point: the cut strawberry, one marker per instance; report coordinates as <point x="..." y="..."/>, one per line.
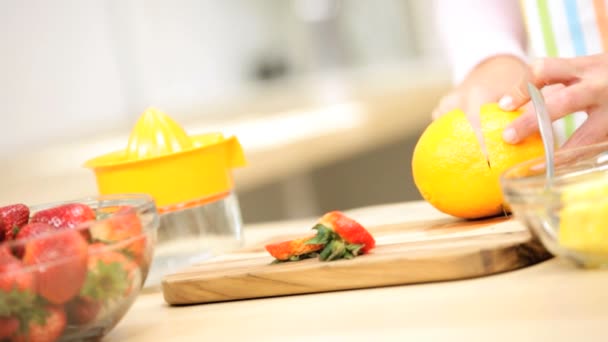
<point x="61" y="262"/>
<point x="82" y="310"/>
<point x="123" y="227"/>
<point x="349" y="230"/>
<point x="293" y="250"/>
<point x="17" y="287"/>
<point x="13" y="217"/>
<point x="12" y="274"/>
<point x="338" y="237"/>
<point x="17" y="293"/>
<point x="8" y="327"/>
<point x="5" y="252"/>
<point x="44" y="328"/>
<point x="110" y="276"/>
<point x="335" y="247"/>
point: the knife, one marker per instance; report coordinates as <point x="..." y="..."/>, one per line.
<point x="475" y="122"/>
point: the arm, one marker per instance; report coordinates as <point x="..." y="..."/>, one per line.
<point x="474" y="30"/>
<point x="485" y="43"/>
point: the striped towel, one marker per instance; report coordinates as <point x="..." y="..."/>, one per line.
<point x="566" y="28"/>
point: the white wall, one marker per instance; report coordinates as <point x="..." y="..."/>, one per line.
<point x="59" y="72"/>
<point x="74" y="68"/>
<point x="179" y="54"/>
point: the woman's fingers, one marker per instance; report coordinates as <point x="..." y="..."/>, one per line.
<point x="559" y="103"/>
<point x="551" y="89"/>
<point x="521" y="127"/>
<point x="543" y="72"/>
<point x="593" y="130"/>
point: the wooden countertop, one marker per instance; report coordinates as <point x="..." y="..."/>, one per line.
<point x="551" y="301"/>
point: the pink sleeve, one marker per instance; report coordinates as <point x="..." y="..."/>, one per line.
<point x="473" y="30"/>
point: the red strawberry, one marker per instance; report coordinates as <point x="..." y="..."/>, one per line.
<point x="13" y="276"/>
<point x="109" y="272"/>
<point x="69" y="215"/>
<point x="293" y="250"/>
<point x="111" y="276"/>
<point x="348" y="229"/>
<point x="4" y="252"/>
<point x="8" y="327"/>
<point x="123" y="226"/>
<point x="17" y="292"/>
<point x="2" y="231"/>
<point x="46" y="329"/>
<point x="27" y="232"/>
<point x="13" y="217"/>
<point x="61" y="261"/>
<point x="340" y="237"/>
<point x="83" y="310"/>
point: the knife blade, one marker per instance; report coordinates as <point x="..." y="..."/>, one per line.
<point x="475" y="122"/>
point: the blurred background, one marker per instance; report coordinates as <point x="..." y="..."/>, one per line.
<point x="327" y="97"/>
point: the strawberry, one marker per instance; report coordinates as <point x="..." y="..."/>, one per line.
<point x="27" y="232"/>
<point x="47" y="328"/>
<point x="2" y="231"/>
<point x="4" y="252"/>
<point x="61" y="262"/>
<point x="17" y="292"/>
<point x="349" y="230"/>
<point x="83" y="310"/>
<point x="12" y="275"/>
<point x="110" y="276"/>
<point x="125" y="227"/>
<point x="338" y="237"/>
<point x="109" y="272"/>
<point x="69" y="215"/>
<point x="8" y="327"/>
<point x="293" y="250"/>
<point x="13" y="217"/>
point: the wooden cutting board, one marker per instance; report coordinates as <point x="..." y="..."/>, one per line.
<point x="407" y="253"/>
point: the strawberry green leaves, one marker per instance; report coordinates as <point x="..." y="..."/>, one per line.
<point x="25" y="306"/>
<point x="338" y="237"/>
<point x="106" y="281"/>
<point x="335" y="246"/>
<point x="324" y="235"/>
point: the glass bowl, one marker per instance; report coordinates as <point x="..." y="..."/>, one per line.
<point x="570" y="217"/>
<point x="73" y="271"/>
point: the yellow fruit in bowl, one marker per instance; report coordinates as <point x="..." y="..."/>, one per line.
<point x="451" y="171"/>
<point x="583" y="216"/>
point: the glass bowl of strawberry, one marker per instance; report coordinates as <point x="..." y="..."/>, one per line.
<point x="69" y="271"/>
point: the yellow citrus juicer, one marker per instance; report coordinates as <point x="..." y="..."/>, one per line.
<point x="162" y="160"/>
<point x="190" y="178"/>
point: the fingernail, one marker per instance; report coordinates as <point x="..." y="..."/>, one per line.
<point x="506" y="103"/>
<point x="509" y="135"/>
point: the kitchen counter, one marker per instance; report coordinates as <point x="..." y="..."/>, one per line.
<point x="286" y="129"/>
<point x="550" y="301"/>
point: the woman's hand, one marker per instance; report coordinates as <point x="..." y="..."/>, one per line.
<point x="579" y="84"/>
<point x="487" y="82"/>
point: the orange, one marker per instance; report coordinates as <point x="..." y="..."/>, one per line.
<point x="452" y="173"/>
